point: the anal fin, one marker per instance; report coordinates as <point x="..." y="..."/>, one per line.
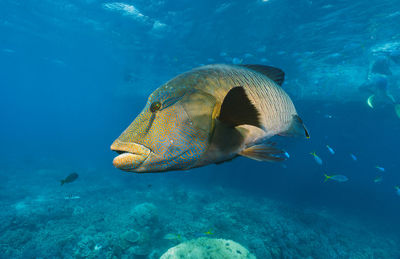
<point x="263" y="152"/>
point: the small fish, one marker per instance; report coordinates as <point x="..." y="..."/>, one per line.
<point x="353" y="157"/>
<point x="328" y="116"/>
<point x="72" y="197"/>
<point x="336" y="177"/>
<point x="380" y="168"/>
<point x="378" y="179"/>
<point x="207" y="233"/>
<point x="171" y="236"/>
<point x="316" y="158"/>
<point x="286" y="154"/>
<point x="330" y="150"/>
<point x="397" y="190"/>
<point x="70" y="178"/>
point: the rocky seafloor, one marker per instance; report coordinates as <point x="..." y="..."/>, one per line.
<point x="139" y="217"/>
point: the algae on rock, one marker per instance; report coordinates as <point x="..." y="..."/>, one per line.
<point x="211" y="248"/>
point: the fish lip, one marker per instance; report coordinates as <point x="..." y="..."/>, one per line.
<point x="126" y="147"/>
<point x="140" y="154"/>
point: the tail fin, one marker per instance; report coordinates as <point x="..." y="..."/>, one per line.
<point x="62" y="182"/>
<point x="326" y="177"/>
<point x="296" y="128"/>
<point x="313" y="153"/>
<point x="370" y="101"/>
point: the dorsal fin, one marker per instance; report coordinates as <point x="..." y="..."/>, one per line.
<point x="273" y="73"/>
<point x="237" y="109"/>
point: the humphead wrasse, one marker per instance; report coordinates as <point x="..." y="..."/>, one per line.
<point x="210" y="114"/>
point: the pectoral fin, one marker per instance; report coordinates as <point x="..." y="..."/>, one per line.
<point x="263" y="152"/>
<point x="237" y="109"/>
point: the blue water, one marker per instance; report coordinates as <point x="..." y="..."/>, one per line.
<point x="75" y="73"/>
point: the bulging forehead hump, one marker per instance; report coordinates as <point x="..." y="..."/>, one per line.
<point x="174" y="88"/>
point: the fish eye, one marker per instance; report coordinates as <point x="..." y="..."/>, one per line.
<point x="155" y="106"/>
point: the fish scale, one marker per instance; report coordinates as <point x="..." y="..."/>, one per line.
<point x="209" y="115"/>
<point x="274" y="104"/>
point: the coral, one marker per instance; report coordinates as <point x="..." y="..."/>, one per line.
<point x="84" y="247"/>
<point x="180" y="196"/>
<point x="140" y="250"/>
<point x="257" y="245"/>
<point x="91" y="246"/>
<point x="130" y="236"/>
<point x="104" y="224"/>
<point x="145" y="214"/>
<point x="208" y="248"/>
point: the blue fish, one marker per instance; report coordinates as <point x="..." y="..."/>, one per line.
<point x="204" y="234"/>
<point x="378" y="179"/>
<point x="397" y="190"/>
<point x="353" y="157"/>
<point x="316" y="158"/>
<point x="336" y="177"/>
<point x="380" y="168"/>
<point x="330" y="150"/>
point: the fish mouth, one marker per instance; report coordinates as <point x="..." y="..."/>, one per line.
<point x="131" y="155"/>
